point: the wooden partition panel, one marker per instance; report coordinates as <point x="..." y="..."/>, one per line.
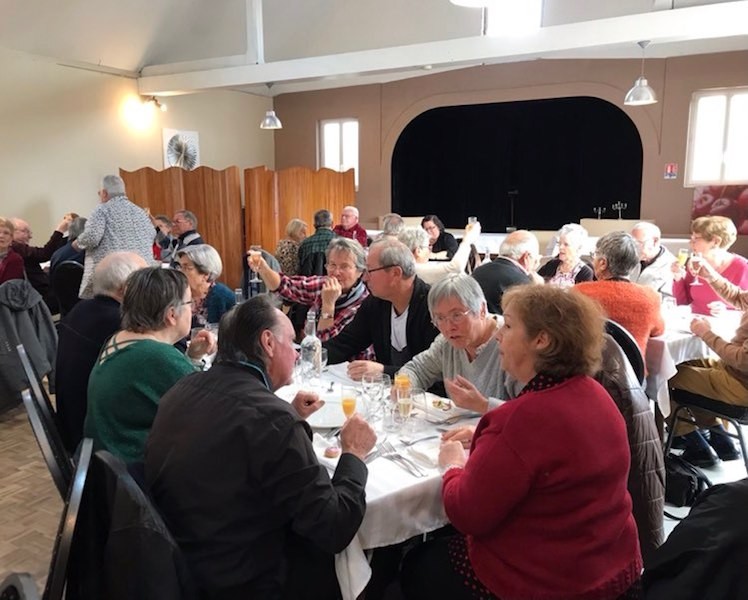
<point x="273" y="198"/>
<point x="214" y="196"/>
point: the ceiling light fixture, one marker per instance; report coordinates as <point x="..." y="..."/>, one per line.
<point x="160" y="105"/>
<point x="641" y="94"/>
<point x="271" y="120"/>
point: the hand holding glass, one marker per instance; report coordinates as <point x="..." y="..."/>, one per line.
<point x="255" y="254"/>
<point x="695" y="266"/>
<point x="348" y="400"/>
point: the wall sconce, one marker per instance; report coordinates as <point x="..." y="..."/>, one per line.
<point x="160" y="105"/>
<point x="641" y="93"/>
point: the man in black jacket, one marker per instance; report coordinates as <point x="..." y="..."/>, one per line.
<point x="395" y="318"/>
<point x="233" y="471"/>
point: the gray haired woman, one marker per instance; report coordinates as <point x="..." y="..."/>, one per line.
<point x="465" y="355"/>
<point x="569" y="268"/>
<point x="202" y="265"/>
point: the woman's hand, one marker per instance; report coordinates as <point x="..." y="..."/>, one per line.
<point x="202" y="343"/>
<point x="678" y="271"/>
<point x="465" y="395"/>
<point x="707" y="271"/>
<point x="307" y="403"/>
<point x="331" y="291"/>
<point x="358" y="368"/>
<point x="451" y="453"/>
<point x="464" y="435"/>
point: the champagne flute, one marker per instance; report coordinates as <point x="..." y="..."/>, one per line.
<point x="255" y="253"/>
<point x="404" y="404"/>
<point x="372" y="385"/>
<point x="348" y="400"/>
<point x="695" y="266"/>
<point x="683" y="257"/>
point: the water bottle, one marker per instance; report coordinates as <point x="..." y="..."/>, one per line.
<point x="311" y="347"/>
<point x="239" y="295"/>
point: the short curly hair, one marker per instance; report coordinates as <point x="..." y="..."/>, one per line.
<point x="574" y="324"/>
<point x="711" y="227"/>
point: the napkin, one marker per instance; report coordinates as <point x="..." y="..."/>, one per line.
<point x="320" y="445"/>
<point x="426" y="453"/>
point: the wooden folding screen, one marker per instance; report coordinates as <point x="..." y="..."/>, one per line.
<point x="214" y="196"/>
<point x="273" y="198"/>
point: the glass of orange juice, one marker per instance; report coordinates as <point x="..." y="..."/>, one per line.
<point x="348" y="398"/>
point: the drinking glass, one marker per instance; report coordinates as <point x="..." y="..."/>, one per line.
<point x="472" y="220"/>
<point x="348" y="397"/>
<point x="683" y="256"/>
<point x="255" y="253"/>
<point x="371" y="386"/>
<point x="404" y="404"/>
<point x="695" y="265"/>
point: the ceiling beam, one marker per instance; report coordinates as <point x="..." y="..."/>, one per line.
<point x="661" y="27"/>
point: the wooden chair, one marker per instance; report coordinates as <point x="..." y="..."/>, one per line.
<point x="21" y="585"/>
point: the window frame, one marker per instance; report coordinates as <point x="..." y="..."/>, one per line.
<point x="341" y="147"/>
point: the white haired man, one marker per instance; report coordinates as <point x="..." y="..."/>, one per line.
<point x="349" y="226"/>
<point x="654" y="269"/>
<point x="116" y="224"/>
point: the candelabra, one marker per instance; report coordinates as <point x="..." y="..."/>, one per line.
<point x="599" y="210"/>
<point x="619" y="206"/>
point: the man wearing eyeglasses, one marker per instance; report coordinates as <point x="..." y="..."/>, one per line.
<point x="654" y="269"/>
<point x="184" y="232"/>
<point x="394" y="318"/>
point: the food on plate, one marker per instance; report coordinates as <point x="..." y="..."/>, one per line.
<point x="332" y="452"/>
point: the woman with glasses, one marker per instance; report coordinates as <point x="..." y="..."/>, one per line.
<point x="711" y="237"/>
<point x="202" y="265"/>
<point x="442" y="244"/>
<point x="465" y="354"/>
<point x="335" y="297"/>
<point x="139" y="363"/>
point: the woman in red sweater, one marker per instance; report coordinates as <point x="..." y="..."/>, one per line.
<point x="541" y="503"/>
<point x="11" y="263"/>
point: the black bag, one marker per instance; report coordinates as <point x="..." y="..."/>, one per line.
<point x="683" y="481"/>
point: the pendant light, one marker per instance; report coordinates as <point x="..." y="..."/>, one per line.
<point x="271" y="120"/>
<point x="641" y="94"/>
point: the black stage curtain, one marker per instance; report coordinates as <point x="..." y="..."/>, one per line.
<point x="553" y="160"/>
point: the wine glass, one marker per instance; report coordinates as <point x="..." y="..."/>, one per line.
<point x="695" y="266"/>
<point x="255" y="253"/>
<point x="683" y="257"/>
<point x="404" y="404"/>
<point x="371" y="386"/>
<point x="348" y="396"/>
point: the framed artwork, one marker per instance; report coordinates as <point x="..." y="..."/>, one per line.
<point x="729" y="201"/>
<point x="181" y="149"/>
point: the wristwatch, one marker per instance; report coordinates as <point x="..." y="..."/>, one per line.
<point x="327" y="315"/>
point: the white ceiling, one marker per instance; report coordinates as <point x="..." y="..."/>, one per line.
<point x="185" y="46"/>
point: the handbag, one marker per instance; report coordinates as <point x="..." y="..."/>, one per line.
<point x="683" y="481"/>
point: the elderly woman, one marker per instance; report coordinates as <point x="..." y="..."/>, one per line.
<point x="287" y="250"/>
<point x="336" y="297"/>
<point x="417" y="241"/>
<point x="724" y="379"/>
<point x="636" y="307"/>
<point x="540" y="512"/>
<point x="568" y="268"/>
<point x="466" y="345"/>
<point x="138" y="364"/>
<point x="11" y="263"/>
<point x="202" y="265"/>
<point x="441" y="243"/>
<point x="712" y="237"/>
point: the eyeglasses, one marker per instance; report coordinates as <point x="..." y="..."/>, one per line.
<point x="453" y="318"/>
<point x="343" y="267"/>
<point x="185" y="303"/>
<point x="368" y="271"/>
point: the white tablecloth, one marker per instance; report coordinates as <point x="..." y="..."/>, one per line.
<point x="678" y="345"/>
<point x="398" y="505"/>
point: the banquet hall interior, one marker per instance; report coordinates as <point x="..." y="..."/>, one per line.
<point x="455" y="114"/>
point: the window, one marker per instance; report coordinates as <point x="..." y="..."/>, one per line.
<point x="338" y="145"/>
<point x="718" y="137"/>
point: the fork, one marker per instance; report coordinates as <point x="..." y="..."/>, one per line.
<point x="389" y="452"/>
<point x="408" y="443"/>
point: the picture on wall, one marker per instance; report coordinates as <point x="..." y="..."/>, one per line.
<point x="729" y="201"/>
<point x="181" y="149"/>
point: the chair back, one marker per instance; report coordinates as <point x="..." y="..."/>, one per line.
<point x="65" y="281"/>
<point x="629" y="346"/>
<point x="58" y="460"/>
<point x="58" y="567"/>
<point x="40" y="394"/>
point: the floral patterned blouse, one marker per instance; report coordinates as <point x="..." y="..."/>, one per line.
<point x="287" y="253"/>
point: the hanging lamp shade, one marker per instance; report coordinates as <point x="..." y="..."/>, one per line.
<point x="641" y="93"/>
<point x="271" y="121"/>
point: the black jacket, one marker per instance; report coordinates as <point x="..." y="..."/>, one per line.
<point x="445" y="241"/>
<point x="495" y="278"/>
<point x="548" y="270"/>
<point x="232" y="468"/>
<point x="372" y="326"/>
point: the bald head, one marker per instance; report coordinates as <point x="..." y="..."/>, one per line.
<point x="21" y="231"/>
<point x="112" y="272"/>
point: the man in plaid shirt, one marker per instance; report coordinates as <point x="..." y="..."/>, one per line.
<point x="316" y="243"/>
<point x="335" y="297"/>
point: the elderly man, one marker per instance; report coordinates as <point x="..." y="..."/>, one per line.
<point x="394" y="318"/>
<point x="312" y="249"/>
<point x="654" y="268"/>
<point x="115" y="225"/>
<point x="349" y="226"/>
<point x="68" y="251"/>
<point x="82" y="333"/>
<point x="232" y="468"/>
<point x="392" y="224"/>
<point x="519" y="256"/>
<point x="33" y="255"/>
<point x="184" y="233"/>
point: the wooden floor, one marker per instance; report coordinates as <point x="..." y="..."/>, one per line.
<point x="30" y="506"/>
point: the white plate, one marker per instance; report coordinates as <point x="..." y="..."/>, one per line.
<point x="330" y="415"/>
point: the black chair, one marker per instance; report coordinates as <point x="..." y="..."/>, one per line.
<point x="735" y="415"/>
<point x="65" y="281"/>
<point x="39" y="393"/>
<point x="20" y="585"/>
<point x="629" y="346"/>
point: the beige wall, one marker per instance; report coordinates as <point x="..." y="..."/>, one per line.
<point x="63" y="129"/>
<point x="385" y="110"/>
